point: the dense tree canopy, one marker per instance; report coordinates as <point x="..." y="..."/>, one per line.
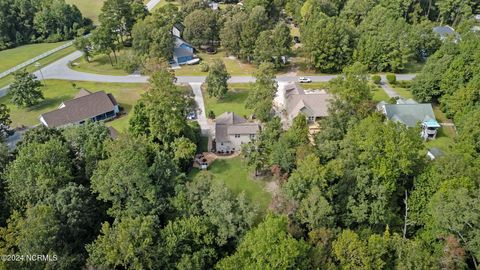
<point x="30" y="21"/>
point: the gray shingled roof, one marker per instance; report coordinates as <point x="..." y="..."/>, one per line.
<point x="81" y="108"/>
<point x="230" y="123"/>
<point x="315" y="103"/>
<point x="409" y="114"/>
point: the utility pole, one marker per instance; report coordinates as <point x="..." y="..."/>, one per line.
<point x="39" y="66"/>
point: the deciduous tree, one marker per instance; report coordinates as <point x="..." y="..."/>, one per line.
<point x="217" y="79"/>
<point x="25" y="90"/>
<point x="260" y="98"/>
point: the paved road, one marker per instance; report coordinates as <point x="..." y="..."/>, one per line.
<point x="60" y="70"/>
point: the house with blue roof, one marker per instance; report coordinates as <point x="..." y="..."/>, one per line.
<point x="183" y="52"/>
<point x="411" y="113"/>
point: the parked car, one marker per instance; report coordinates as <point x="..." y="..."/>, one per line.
<point x="192" y="116"/>
<point x="304" y="80"/>
<point x="296" y="39"/>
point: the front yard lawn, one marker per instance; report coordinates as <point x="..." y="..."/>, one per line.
<point x="234" y="67"/>
<point x="236" y="175"/>
<point x="234" y="100"/>
<point x="100" y="64"/>
<point x="57" y="91"/>
<point x="379" y="94"/>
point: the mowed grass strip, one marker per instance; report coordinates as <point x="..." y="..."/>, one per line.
<point x="44" y="62"/>
<point x="234" y="100"/>
<point x="57" y="91"/>
<point x="236" y="175"/>
<point x="13" y="57"/>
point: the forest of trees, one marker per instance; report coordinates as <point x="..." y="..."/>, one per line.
<point x="34" y="21"/>
<point x="364" y="196"/>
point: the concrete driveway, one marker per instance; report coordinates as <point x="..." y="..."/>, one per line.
<point x="201" y="114"/>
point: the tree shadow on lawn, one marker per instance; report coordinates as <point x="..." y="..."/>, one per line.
<point x="47" y="103"/>
<point x="234" y="96"/>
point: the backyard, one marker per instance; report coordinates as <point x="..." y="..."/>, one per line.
<point x="234" y="100"/>
<point x="236" y="175"/>
<point x="57" y="91"/>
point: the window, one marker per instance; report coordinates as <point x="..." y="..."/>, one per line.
<point x="311" y="118"/>
<point x="237" y="135"/>
<point x="221" y="144"/>
<point x="252" y="136"/>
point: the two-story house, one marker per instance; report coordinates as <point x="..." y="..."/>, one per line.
<point x="232" y="131"/>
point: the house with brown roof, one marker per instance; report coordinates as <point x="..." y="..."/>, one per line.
<point x="232" y="131"/>
<point x="313" y="104"/>
<point x="84" y="106"/>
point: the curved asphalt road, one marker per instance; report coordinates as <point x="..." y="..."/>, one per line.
<point x="60" y="70"/>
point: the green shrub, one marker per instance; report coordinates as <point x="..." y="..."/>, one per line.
<point x="404" y="84"/>
<point x="391" y="78"/>
<point x="129" y="63"/>
<point x="204" y="67"/>
<point x="376" y="79"/>
<point x="211" y="115"/>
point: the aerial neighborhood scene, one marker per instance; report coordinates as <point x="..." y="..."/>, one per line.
<point x="240" y="134"/>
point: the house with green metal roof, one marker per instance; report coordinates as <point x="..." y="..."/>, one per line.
<point x="411" y="113"/>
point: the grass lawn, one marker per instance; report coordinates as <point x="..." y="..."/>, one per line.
<point x="89" y="8"/>
<point x="444" y="139"/>
<point x="18" y="55"/>
<point x="234" y="100"/>
<point x="445" y="135"/>
<point x="58" y="91"/>
<point x="164" y="3"/>
<point x="45" y="61"/>
<point x="379" y="94"/>
<point x="236" y="175"/>
<point x="413" y="67"/>
<point x="234" y="66"/>
<point x="100" y="64"/>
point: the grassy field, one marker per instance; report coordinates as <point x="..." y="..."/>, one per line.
<point x="234" y="67"/>
<point x="402" y="88"/>
<point x="445" y="135"/>
<point x="45" y="61"/>
<point x="57" y="91"/>
<point x="236" y="175"/>
<point x="16" y="56"/>
<point x="100" y="64"/>
<point x="164" y="3"/>
<point x="89" y="8"/>
<point x="379" y="94"/>
<point x="234" y="101"/>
